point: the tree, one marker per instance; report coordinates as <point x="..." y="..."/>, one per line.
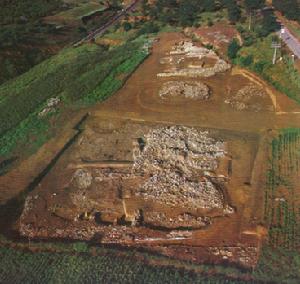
<point x="234" y="11"/>
<point x="188" y="11"/>
<point x="127" y="26"/>
<point x="233" y="49"/>
<point x="251" y="6"/>
<point x="254" y="4"/>
<point x="269" y="23"/>
<point x="209" y="5"/>
<point x="290" y="8"/>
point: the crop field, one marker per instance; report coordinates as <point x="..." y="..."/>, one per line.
<point x="46" y="267"/>
<point x="282" y="207"/>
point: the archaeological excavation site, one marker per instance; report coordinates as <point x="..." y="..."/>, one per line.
<point x="173" y="163"/>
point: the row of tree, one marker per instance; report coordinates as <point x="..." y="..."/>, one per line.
<point x="290" y="8"/>
<point x="183" y="12"/>
<point x="187" y="12"/>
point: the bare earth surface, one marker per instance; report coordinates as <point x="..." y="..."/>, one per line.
<point x="182" y="175"/>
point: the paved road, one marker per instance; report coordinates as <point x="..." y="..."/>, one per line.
<point x="292" y="42"/>
<point x="107" y="25"/>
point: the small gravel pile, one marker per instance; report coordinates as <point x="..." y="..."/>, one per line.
<point x="248" y="98"/>
<point x="184" y="220"/>
<point x="189" y="90"/>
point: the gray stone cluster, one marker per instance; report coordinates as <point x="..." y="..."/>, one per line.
<point x="175" y="158"/>
<point x="242" y="99"/>
<point x="185" y="50"/>
<point x="188" y="90"/>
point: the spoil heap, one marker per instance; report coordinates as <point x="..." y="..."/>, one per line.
<point x="248" y="98"/>
<point x="187" y="50"/>
<point x="175" y="158"/>
<point x="189" y="90"/>
<point x="184" y="220"/>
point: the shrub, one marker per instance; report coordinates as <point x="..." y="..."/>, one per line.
<point x="80" y="247"/>
<point x="127" y="26"/>
<point x="246" y="61"/>
<point x="233" y="49"/>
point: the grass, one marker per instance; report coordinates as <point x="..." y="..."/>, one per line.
<point x="77" y="12"/>
<point x="86" y="74"/>
<point x="280" y="259"/>
<point x="282" y="211"/>
<point x="278" y="265"/>
<point x="213" y="17"/>
<point x="117" y="37"/>
<point x="17" y="266"/>
<point x="283" y="75"/>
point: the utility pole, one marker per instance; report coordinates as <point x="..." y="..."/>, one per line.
<point x="293" y="58"/>
<point x="250" y="20"/>
<point x="275" y="45"/>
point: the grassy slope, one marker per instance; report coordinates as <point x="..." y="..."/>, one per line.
<point x="79" y="11"/>
<point x="86" y="74"/>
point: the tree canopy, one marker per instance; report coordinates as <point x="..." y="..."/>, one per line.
<point x="290" y="8"/>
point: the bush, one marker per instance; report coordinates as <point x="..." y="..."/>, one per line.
<point x="80" y="247"/>
<point x="246" y="61"/>
<point x="259" y="67"/>
<point x="148" y="28"/>
<point x="127" y="26"/>
<point x="233" y="49"/>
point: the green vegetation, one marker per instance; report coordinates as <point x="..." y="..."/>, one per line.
<point x="234" y="11"/>
<point x="289" y="8"/>
<point x="280" y="259"/>
<point x="86" y="74"/>
<point x="282" y="212"/>
<point x="17" y="266"/>
<point x="283" y="75"/>
<point x="233" y="49"/>
<point x="12" y="10"/>
<point x="182" y="13"/>
<point x="23" y="46"/>
<point x="77" y="12"/>
<point x="278" y="265"/>
<point x="294" y="29"/>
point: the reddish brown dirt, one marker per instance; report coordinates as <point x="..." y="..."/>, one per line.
<point x="139" y="100"/>
<point x="219" y="35"/>
<point x="18" y="179"/>
<point x="246" y="133"/>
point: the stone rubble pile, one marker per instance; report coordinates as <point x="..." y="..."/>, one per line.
<point x="51" y="105"/>
<point x="82" y="178"/>
<point x="242" y="99"/>
<point x="189" y="90"/>
<point x="185" y="50"/>
<point x="247" y="256"/>
<point x="188" y="49"/>
<point x="175" y="158"/>
<point x="184" y="220"/>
